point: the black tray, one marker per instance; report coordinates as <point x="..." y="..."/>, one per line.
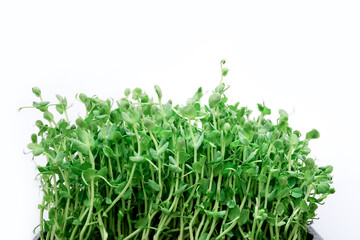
<point x="315" y="235"/>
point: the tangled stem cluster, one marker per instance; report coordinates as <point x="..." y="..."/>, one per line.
<point x="145" y="169"/>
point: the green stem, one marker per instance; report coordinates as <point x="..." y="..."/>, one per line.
<point x="214" y="119"/>
<point x="257" y="204"/>
<point x="102" y="228"/>
<point x="77" y="226"/>
<point x="123" y="191"/>
<point x="192" y="222"/>
<point x="133" y="234"/>
<point x="42" y="220"/>
<point x="90" y="210"/>
<point x="289" y="158"/>
<point x="290" y="219"/>
<point x="228" y="229"/>
<point x="199" y="227"/>
<point x="181" y="235"/>
<point x="216" y="206"/>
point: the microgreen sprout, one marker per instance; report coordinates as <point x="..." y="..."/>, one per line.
<point x="146" y="169"/>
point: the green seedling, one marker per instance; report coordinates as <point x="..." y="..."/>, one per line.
<point x="145" y="169"/>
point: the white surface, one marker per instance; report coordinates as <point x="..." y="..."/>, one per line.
<point x="301" y="55"/>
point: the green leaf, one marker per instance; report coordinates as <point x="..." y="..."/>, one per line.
<point x="296" y="192"/>
<point x="243" y="139"/>
<point x="115" y="137"/>
<point x="153" y="153"/>
<point x="244" y="216"/>
<point x="310" y="163"/>
<point x="219" y="214"/>
<point x="65" y="195"/>
<point x="163" y="148"/>
<point x="127" y="194"/>
<point x="36" y="149"/>
<point x="204" y="185"/>
<point x="262" y="178"/>
<point x="82" y="97"/>
<point x="281" y="223"/>
<point x="204" y="236"/>
<point x="283" y="180"/>
<point x="303" y="206"/>
<point x="42" y="169"/>
<point x="102" y="172"/>
<point x="153" y="185"/>
<point x="34" y="138"/>
<point x="294" y="139"/>
<point x="36" y="91"/>
<point x="231" y="204"/>
<point x="42" y="106"/>
<point x="59" y="157"/>
<point x="136" y="93"/>
<point x="217" y="158"/>
<point x="80" y="123"/>
<point x="180" y="190"/>
<point x="215" y="137"/>
<point x="250" y="157"/>
<point x="280" y="208"/>
<point x="199" y="141"/>
<point x="235" y="144"/>
<point x="48" y="116"/>
<point x="291" y="182"/>
<point x="172" y="161"/>
<point x="279" y="144"/>
<point x="322" y="187"/>
<point x="220" y="88"/>
<point x="89" y="174"/>
<point x="65" y="166"/>
<point x="137" y="159"/>
<point x="80" y="146"/>
<point x="109" y="152"/>
<point x="197" y="96"/>
<point x="313" y="134"/>
<point x="266" y="111"/>
<point x="272" y="195"/>
<point x="183" y="157"/>
<point x="115" y="117"/>
<point x="214" y="100"/>
<point x="166" y="134"/>
<point x="263" y="109"/>
<point x="225" y="71"/>
<point x="283" y="114"/>
<point x="175" y="168"/>
<point x="234" y="212"/>
<point x="77" y="222"/>
<point x="158" y="91"/>
<point x="127" y="92"/>
<point x="108" y="200"/>
<point x="149" y="124"/>
<point x="85" y="166"/>
<point x="189" y="111"/>
<point x="261" y="215"/>
<point x="127" y="118"/>
<point x="59" y="108"/>
<point x="120" y="187"/>
<point x="226" y="194"/>
<point x="141" y="223"/>
<point x="197" y="166"/>
<point x="283" y="193"/>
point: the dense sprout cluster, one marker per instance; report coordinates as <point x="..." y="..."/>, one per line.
<point x="145" y="169"/>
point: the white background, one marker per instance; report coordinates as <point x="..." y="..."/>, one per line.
<point x="302" y="56"/>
